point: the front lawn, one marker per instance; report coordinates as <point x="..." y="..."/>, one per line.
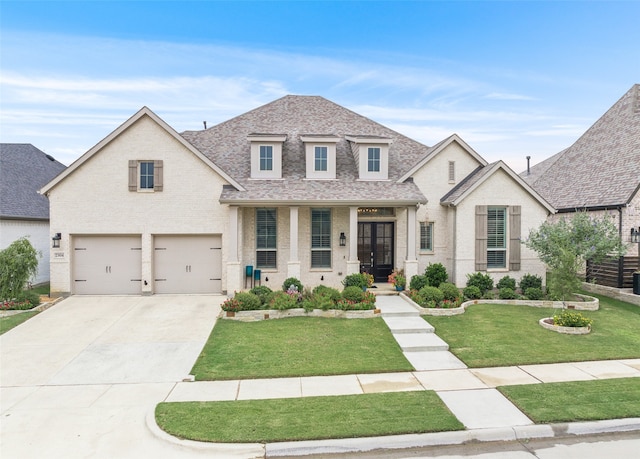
<point x="578" y="400"/>
<point x="309" y="418"/>
<point x="8" y="322"/>
<point x="299" y="346"/>
<point x="503" y="335"/>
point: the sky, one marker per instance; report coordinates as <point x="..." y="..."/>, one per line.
<point x="512" y="78"/>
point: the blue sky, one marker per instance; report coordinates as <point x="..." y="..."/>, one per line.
<point x="512" y="78"/>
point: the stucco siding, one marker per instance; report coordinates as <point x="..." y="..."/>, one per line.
<point x="95" y="198"/>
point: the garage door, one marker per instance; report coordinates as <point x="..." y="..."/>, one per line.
<point x="107" y="265"/>
<point x="188" y="264"/>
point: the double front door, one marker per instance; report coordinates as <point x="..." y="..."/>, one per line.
<point x="375" y="249"/>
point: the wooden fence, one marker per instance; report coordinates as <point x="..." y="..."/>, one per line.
<point x="615" y="273"/>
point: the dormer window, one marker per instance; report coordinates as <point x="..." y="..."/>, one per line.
<point x="266" y="155"/>
<point x="320" y="153"/>
<point x="371" y="154"/>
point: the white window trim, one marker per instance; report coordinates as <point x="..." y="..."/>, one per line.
<point x="427" y="224"/>
<point x="275" y="142"/>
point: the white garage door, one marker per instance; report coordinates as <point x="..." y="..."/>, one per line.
<point x="107" y="265"/>
<point x="188" y="264"/>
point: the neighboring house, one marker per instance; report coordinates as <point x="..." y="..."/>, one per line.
<point x="23" y="212"/>
<point x="300" y="187"/>
<point x="600" y="174"/>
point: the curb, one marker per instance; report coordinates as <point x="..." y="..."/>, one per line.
<point x="367" y="444"/>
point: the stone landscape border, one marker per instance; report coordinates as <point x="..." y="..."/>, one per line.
<point x="589" y="304"/>
<point x="547" y="323"/>
<point x="267" y="314"/>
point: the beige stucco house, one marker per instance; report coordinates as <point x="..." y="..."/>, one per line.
<point x="300" y="187"/>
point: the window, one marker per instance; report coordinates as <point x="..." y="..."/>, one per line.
<point x="320" y="160"/>
<point x="145" y="175"/>
<point x="373" y="161"/>
<point x="496" y="237"/>
<point x="320" y="238"/>
<point x="452" y="171"/>
<point x="266" y="158"/>
<point x="266" y="238"/>
<point x="426" y="236"/>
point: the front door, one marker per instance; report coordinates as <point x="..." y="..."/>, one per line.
<point x="375" y="249"/>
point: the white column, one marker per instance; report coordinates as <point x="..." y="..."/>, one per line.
<point x="233" y="234"/>
<point x="293" y="265"/>
<point x="353" y="264"/>
<point x="234" y="270"/>
<point x="411" y="262"/>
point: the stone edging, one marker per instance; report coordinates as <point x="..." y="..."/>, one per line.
<point x="39" y="308"/>
<point x="565" y="330"/>
<point x="593" y="304"/>
<point x="264" y="314"/>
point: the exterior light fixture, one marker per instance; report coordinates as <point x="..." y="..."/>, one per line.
<point x="635" y="235"/>
<point x="343" y="240"/>
<point x="56" y="240"/>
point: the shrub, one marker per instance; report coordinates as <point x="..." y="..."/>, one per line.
<point x="530" y="281"/>
<point x="231" y="305"/>
<point x="15" y="305"/>
<point x="318" y="301"/>
<point x="248" y="301"/>
<point x="282" y="300"/>
<point x="436" y="274"/>
<point x="30" y="297"/>
<point x="534" y="293"/>
<point x="18" y="263"/>
<point x="430" y="293"/>
<point x="263" y="292"/>
<point x="506" y="282"/>
<point x="356" y="280"/>
<point x="450" y="291"/>
<point x="353" y="293"/>
<point x="482" y="281"/>
<point x="506" y="293"/>
<point x="329" y="292"/>
<point x="571" y="319"/>
<point x="286" y="285"/>
<point x="472" y="292"/>
<point x="417" y="282"/>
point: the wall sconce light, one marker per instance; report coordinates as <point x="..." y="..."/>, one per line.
<point x="56" y="240"/>
<point x="635" y="235"/>
<point x="343" y="240"/>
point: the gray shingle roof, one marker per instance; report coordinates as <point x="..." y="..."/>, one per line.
<point x="227" y="146"/>
<point x="23" y="171"/>
<point x="602" y="168"/>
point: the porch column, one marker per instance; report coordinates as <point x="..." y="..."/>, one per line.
<point x="353" y="264"/>
<point x="293" y="265"/>
<point x="411" y="262"/>
<point x="234" y="270"/>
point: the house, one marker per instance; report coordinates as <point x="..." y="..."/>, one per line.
<point x="300" y="187"/>
<point x="600" y="174"/>
<point x="24" y="169"/>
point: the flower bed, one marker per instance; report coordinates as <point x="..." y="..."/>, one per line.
<point x="268" y="314"/>
<point x="549" y="324"/>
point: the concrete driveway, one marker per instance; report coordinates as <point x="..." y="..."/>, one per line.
<point x="79" y="379"/>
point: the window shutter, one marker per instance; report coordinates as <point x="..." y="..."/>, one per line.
<point x="514" y="237"/>
<point x="481" y="238"/>
<point x="133" y="175"/>
<point x="157" y="175"/>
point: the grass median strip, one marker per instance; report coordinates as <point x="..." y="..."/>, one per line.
<point x="309" y="418"/>
<point x="299" y="346"/>
<point x="578" y="400"/>
<point x="8" y="322"/>
<point x="502" y="335"/>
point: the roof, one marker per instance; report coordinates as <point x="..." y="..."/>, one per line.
<point x="226" y="145"/>
<point x="144" y="111"/>
<point x="479" y="176"/>
<point x="23" y="170"/>
<point x="602" y="168"/>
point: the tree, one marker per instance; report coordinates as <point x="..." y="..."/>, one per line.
<point x="18" y="263"/>
<point x="566" y="245"/>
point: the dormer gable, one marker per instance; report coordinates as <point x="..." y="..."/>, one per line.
<point x="320" y="155"/>
<point x="266" y="155"/>
<point x="371" y="154"/>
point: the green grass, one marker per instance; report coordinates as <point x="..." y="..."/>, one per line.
<point x="299" y="346"/>
<point x="7" y="323"/>
<point x="42" y="289"/>
<point x="577" y="401"/>
<point x="309" y="418"/>
<point x="503" y="335"/>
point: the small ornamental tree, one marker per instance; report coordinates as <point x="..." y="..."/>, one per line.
<point x="566" y="245"/>
<point x="18" y="263"/>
